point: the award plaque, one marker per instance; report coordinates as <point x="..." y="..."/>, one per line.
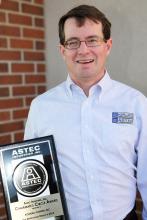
<point x="32" y="181"/>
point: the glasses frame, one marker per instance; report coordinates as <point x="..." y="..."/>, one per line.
<point x="99" y="40"/>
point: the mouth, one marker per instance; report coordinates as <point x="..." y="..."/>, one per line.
<point x="85" y="61"/>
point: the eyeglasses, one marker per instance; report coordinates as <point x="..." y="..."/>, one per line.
<point x="90" y="42"/>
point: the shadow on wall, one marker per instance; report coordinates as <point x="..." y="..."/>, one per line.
<point x="122" y="36"/>
<point x="127" y="61"/>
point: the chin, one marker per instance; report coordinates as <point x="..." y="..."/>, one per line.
<point x="87" y="75"/>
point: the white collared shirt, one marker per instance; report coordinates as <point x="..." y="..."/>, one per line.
<point x="99" y="139"/>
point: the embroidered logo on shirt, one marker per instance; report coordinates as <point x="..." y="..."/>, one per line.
<point x="122" y="117"/>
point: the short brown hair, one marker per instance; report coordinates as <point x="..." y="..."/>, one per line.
<point x="80" y="13"/>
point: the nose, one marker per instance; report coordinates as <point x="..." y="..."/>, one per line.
<point x="83" y="48"/>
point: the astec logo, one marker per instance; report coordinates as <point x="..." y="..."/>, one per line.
<point x="30" y="178"/>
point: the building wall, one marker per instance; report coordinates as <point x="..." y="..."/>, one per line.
<point x="22" y="67"/>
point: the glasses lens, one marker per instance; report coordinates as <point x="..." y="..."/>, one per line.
<point x="93" y="42"/>
<point x="72" y="44"/>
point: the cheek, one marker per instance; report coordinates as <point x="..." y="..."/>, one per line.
<point x="102" y="54"/>
<point x="70" y="58"/>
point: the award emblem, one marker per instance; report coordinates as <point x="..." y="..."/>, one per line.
<point x="32" y="181"/>
<point x="30" y="178"/>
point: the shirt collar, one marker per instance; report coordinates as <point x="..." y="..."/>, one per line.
<point x="69" y="84"/>
<point x="104" y="84"/>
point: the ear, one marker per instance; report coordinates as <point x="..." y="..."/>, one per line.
<point x="62" y="51"/>
<point x="109" y="45"/>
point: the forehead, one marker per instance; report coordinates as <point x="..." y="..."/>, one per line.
<point x="89" y="28"/>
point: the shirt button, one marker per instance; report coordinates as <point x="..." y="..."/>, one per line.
<point x="87" y="150"/>
<point x="86" y="126"/>
<point x="91" y="177"/>
<point x="95" y="202"/>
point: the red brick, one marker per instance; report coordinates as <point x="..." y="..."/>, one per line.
<point x="9" y="5"/>
<point x="6" y="218"/>
<point x="39" y="22"/>
<point x="19" y="43"/>
<point x="41" y="68"/>
<point x="9" y="55"/>
<point x="139" y="216"/>
<point x="28" y="100"/>
<point x="2" y="209"/>
<point x="39" y="2"/>
<point x="20" y="19"/>
<point x="5" y="139"/>
<point x="31" y="9"/>
<point x="2" y="201"/>
<point x="1" y="190"/>
<point x="11" y="126"/>
<point x="11" y="103"/>
<point x="19" y="136"/>
<point x="138" y="195"/>
<point x="3" y="68"/>
<point x="23" y="90"/>
<point x="35" y="79"/>
<point x="9" y="31"/>
<point x="22" y="113"/>
<point x="34" y="56"/>
<point x="2" y="17"/>
<point x="4" y="92"/>
<point x="139" y="204"/>
<point x="3" y="213"/>
<point x="22" y="67"/>
<point x="41" y="89"/>
<point x="33" y="33"/>
<point x="40" y="45"/>
<point x="3" y="43"/>
<point x="10" y="79"/>
<point x="4" y="116"/>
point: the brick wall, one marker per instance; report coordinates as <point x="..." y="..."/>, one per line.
<point x="22" y="66"/>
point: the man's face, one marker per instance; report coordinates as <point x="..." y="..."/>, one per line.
<point x="85" y="63"/>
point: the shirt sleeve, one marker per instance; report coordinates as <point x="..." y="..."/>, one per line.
<point x="31" y="127"/>
<point x="142" y="156"/>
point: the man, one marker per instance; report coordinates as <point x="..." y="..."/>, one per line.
<point x="99" y="125"/>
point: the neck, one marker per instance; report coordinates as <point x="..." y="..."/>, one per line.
<point x="85" y="87"/>
<point x="85" y="84"/>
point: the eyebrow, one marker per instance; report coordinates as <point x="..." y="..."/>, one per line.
<point x="76" y="38"/>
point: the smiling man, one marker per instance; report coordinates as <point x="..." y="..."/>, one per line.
<point x="85" y="51"/>
<point x="99" y="124"/>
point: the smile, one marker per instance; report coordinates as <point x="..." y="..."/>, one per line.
<point x="85" y="61"/>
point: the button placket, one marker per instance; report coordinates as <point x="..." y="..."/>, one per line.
<point x="88" y="155"/>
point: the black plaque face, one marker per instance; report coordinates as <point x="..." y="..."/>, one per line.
<point x="32" y="182"/>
